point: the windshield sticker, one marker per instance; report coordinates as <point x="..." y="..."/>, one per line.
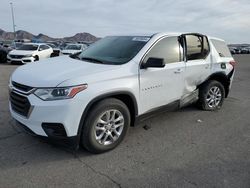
<point x="141" y="39"/>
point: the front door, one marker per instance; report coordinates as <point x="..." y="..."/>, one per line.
<point x="161" y="86"/>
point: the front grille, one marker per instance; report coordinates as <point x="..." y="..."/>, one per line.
<point x="21" y="87"/>
<point x="16" y="56"/>
<point x="20" y="104"/>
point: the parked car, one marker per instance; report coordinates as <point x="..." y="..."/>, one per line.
<point x="237" y="50"/>
<point x="73" y="49"/>
<point x="94" y="97"/>
<point x="30" y="52"/>
<point x="63" y="44"/>
<point x="3" y="54"/>
<point x="56" y="50"/>
<point x="232" y="50"/>
<point x="4" y="50"/>
<point x="88" y="43"/>
<point x="245" y="50"/>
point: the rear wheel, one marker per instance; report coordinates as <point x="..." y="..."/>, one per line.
<point x="106" y="125"/>
<point x="211" y="95"/>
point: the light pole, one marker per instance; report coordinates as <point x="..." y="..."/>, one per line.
<point x="13" y="22"/>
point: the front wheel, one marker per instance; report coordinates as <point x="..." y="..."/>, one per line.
<point x="211" y="95"/>
<point x="36" y="58"/>
<point x="106" y="125"/>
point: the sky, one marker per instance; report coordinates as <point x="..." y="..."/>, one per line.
<point x="226" y="19"/>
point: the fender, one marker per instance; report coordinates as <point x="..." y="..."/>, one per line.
<point x="100" y="97"/>
<point x="221" y="77"/>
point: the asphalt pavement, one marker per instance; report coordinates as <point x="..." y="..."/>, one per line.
<point x="185" y="148"/>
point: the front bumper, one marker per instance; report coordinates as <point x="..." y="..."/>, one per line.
<point x="70" y="142"/>
<point x="66" y="113"/>
<point x="20" y="60"/>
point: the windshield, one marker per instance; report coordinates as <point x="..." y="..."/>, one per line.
<point x="73" y="47"/>
<point x="30" y="47"/>
<point x="114" y="49"/>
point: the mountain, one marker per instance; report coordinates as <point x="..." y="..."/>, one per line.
<point x="20" y="34"/>
<point x="81" y="37"/>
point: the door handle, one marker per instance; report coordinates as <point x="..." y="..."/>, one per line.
<point x="178" y="71"/>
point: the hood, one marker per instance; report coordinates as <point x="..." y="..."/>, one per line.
<point x="53" y="71"/>
<point x="21" y="52"/>
<point x="71" y="51"/>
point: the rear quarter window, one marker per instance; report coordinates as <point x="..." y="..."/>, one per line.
<point x="222" y="48"/>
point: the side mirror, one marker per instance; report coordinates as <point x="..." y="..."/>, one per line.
<point x="153" y="62"/>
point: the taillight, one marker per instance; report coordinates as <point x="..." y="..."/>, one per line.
<point x="233" y="63"/>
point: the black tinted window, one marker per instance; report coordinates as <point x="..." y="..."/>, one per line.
<point x="43" y="47"/>
<point x="31" y="47"/>
<point x="167" y="49"/>
<point x="115" y="49"/>
<point x="197" y="47"/>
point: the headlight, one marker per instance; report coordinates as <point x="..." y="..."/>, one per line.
<point x="29" y="55"/>
<point x="59" y="93"/>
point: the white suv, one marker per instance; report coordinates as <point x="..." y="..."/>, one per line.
<point x="94" y="96"/>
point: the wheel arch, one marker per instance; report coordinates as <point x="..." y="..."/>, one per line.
<point x="127" y="97"/>
<point x="36" y="56"/>
<point x="220" y="77"/>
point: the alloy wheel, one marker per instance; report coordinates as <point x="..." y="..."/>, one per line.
<point x="109" y="127"/>
<point x="214" y="97"/>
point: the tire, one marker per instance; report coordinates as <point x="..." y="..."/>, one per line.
<point x="211" y="95"/>
<point x="36" y="58"/>
<point x="94" y="133"/>
<point x="52" y="55"/>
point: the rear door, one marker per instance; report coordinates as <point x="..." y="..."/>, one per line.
<point x="197" y="59"/>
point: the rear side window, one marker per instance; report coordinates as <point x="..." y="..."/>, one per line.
<point x="167" y="48"/>
<point x="197" y="47"/>
<point x="221" y="47"/>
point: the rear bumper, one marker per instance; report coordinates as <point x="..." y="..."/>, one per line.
<point x="230" y="78"/>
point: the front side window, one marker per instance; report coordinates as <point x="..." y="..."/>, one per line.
<point x="167" y="49"/>
<point x="197" y="47"/>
